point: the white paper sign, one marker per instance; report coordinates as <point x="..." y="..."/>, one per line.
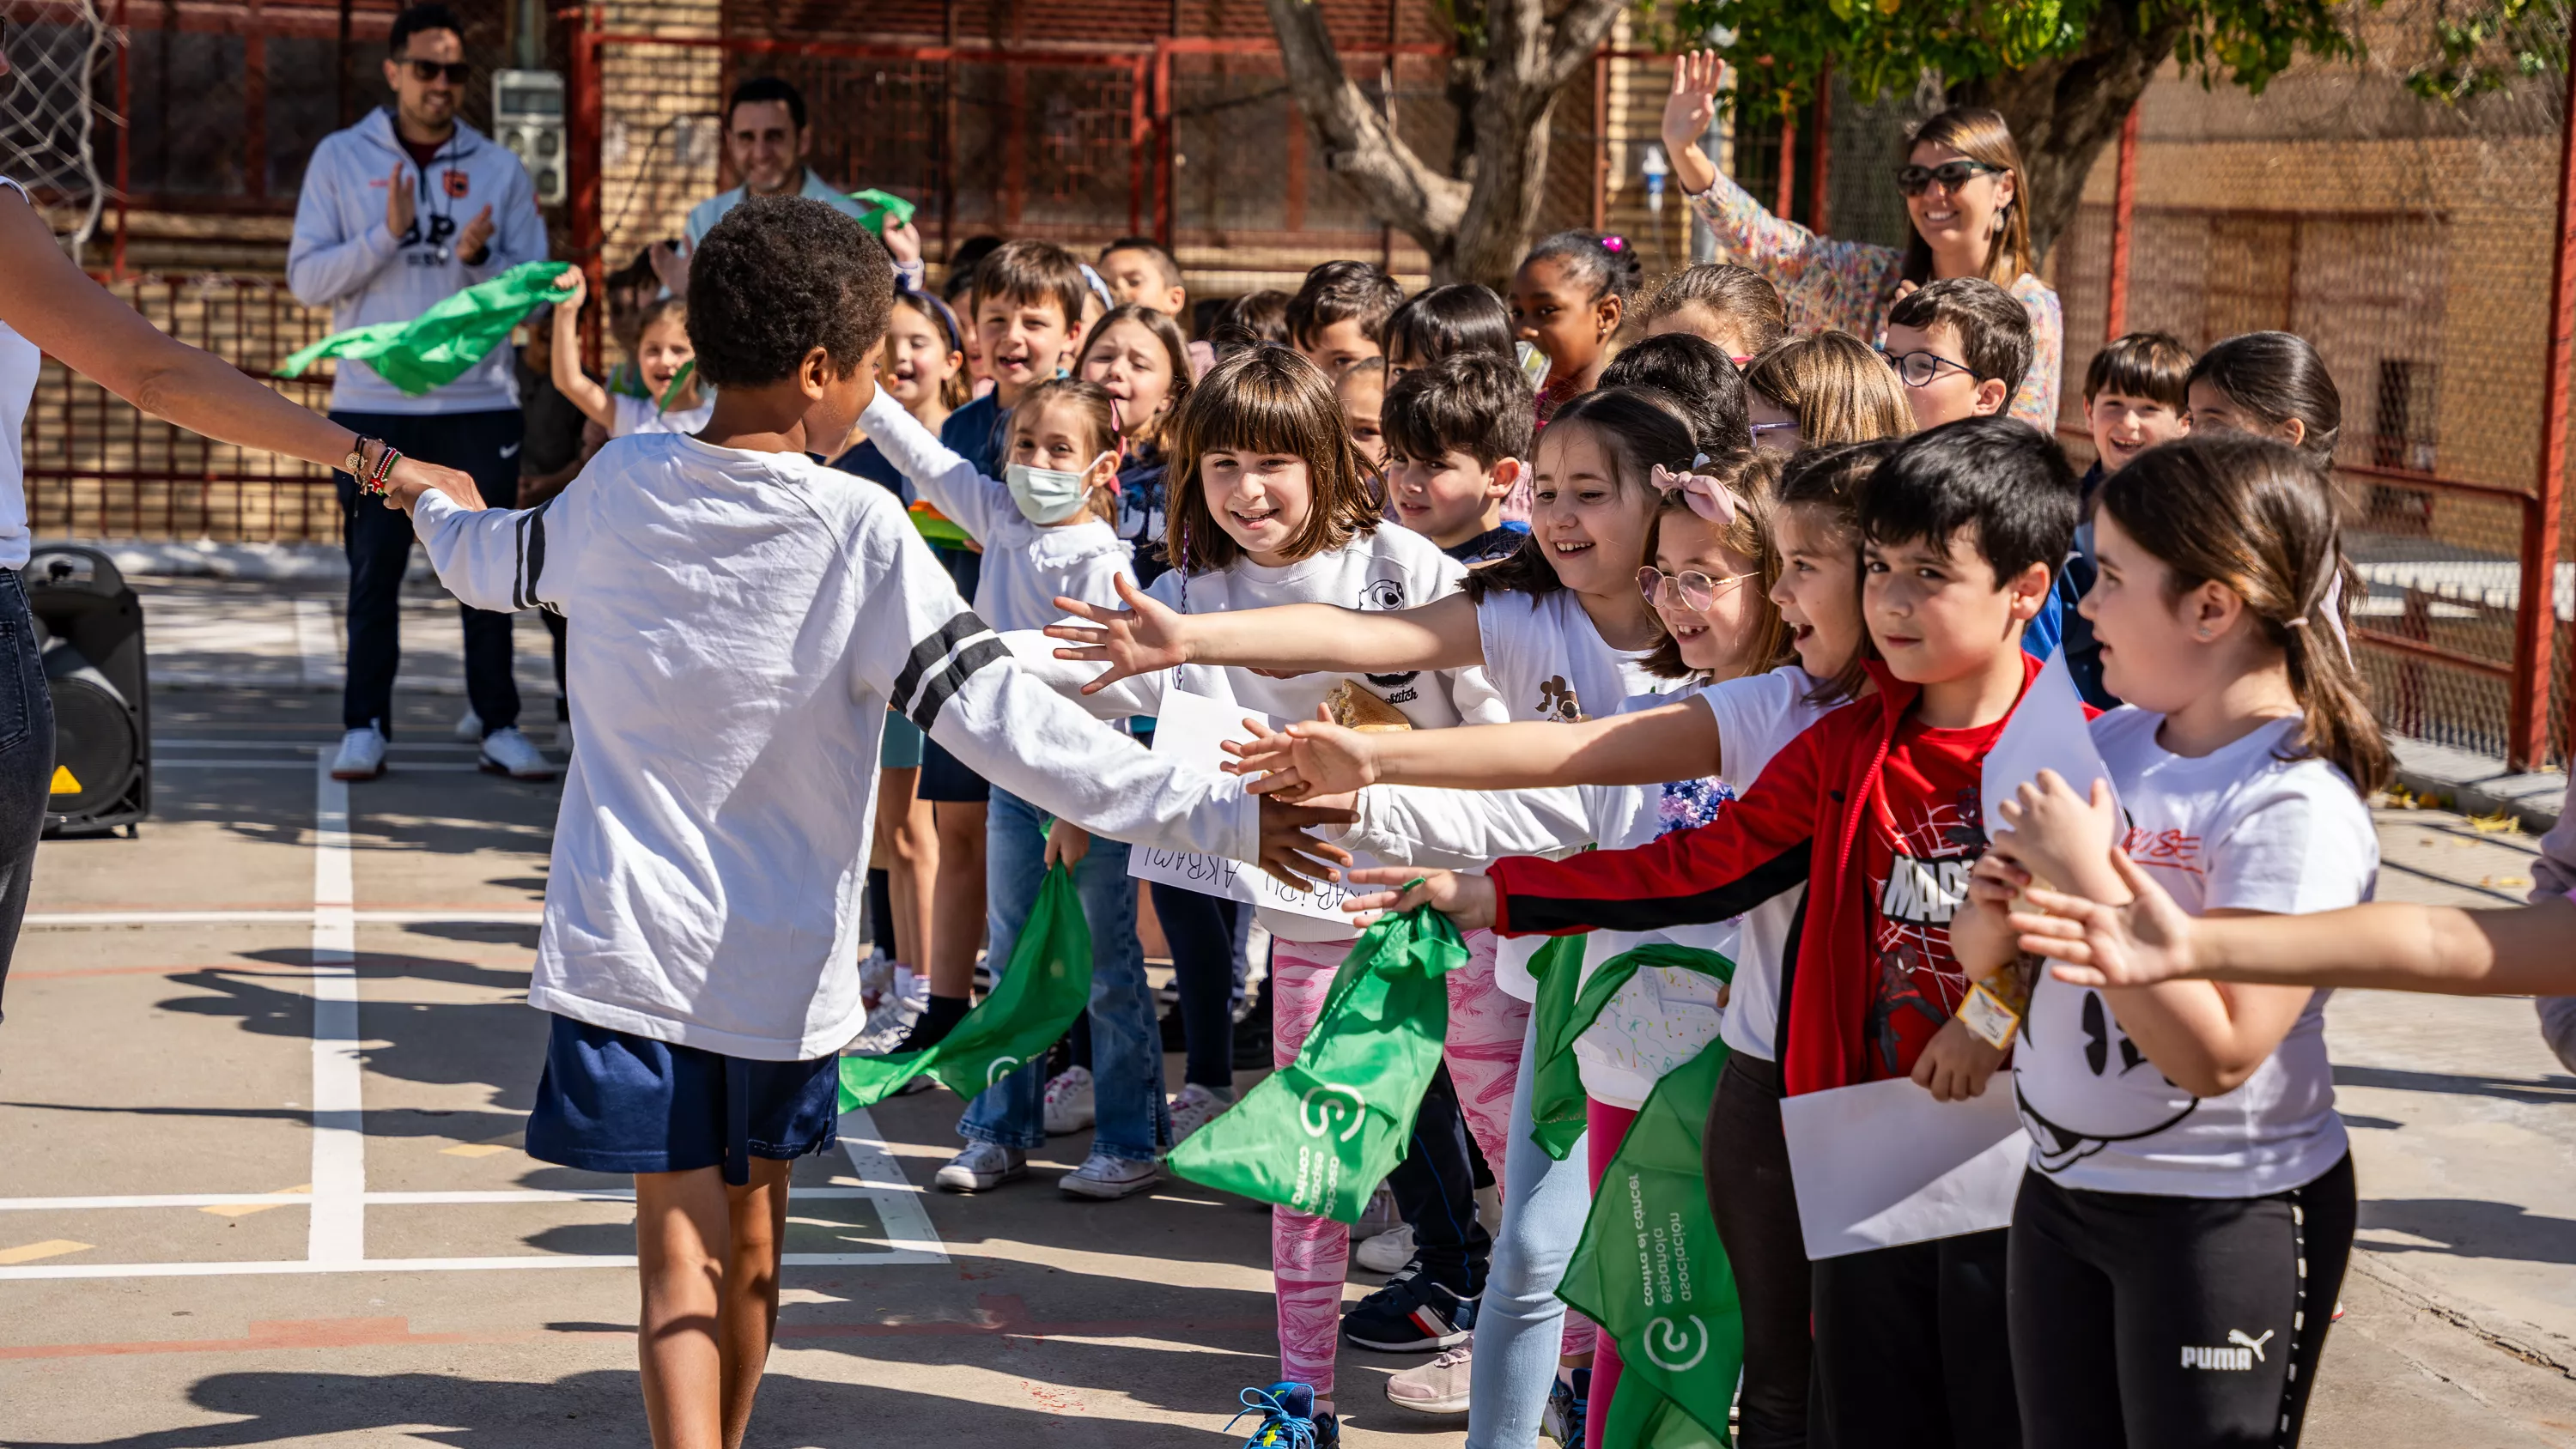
<point x="1191" y="726"/>
<point x="2047" y="732"/>
<point x="1884" y="1164"/>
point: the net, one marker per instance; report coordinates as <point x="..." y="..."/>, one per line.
<point x="56" y="51"/>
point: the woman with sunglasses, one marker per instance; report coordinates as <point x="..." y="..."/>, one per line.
<point x="1963" y="182"/>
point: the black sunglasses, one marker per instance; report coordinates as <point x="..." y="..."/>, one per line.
<point x="1915" y="180"/>
<point x="457" y="72"/>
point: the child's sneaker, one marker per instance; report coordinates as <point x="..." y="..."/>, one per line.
<point x="982" y="1167"/>
<point x="1437" y="1387"/>
<point x="1566" y="1406"/>
<point x="876" y="979"/>
<point x="1411" y="1314"/>
<point x="1069" y="1106"/>
<point x="1108" y="1178"/>
<point x="1288" y="1419"/>
<point x="1388" y="1252"/>
<point x="1377" y="1216"/>
<point x="1193" y="1109"/>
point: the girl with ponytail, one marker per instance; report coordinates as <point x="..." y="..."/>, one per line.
<point x="2191" y="1185"/>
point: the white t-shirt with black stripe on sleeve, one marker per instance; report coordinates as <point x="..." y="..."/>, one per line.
<point x="739" y="623"/>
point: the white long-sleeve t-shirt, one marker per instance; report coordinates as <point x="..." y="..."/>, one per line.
<point x="739" y="623"/>
<point x="1026" y="567"/>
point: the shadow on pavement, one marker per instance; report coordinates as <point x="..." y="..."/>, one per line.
<point x="2471" y="1228"/>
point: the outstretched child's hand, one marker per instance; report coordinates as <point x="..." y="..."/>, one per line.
<point x="1145" y="636"/>
<point x="2145" y="941"/>
<point x="1308" y="758"/>
<point x="1687" y="113"/>
<point x="1067" y="842"/>
<point x="1955" y="1064"/>
<point x="411" y="478"/>
<point x="1465" y="897"/>
<point x="2061" y="837"/>
<point x="1292" y="857"/>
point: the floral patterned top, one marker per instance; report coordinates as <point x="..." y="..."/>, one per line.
<point x="1849" y="286"/>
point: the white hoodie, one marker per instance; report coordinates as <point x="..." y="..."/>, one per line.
<point x="344" y="258"/>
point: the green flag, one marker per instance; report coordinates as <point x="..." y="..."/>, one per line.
<point x="883" y="209"/>
<point x="435" y="348"/>
<point x="1318" y="1135"/>
<point x="1046" y="987"/>
<point x="1650" y="1269"/>
<point x="1556" y="1086"/>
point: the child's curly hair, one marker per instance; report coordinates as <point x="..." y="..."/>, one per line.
<point x="779" y="277"/>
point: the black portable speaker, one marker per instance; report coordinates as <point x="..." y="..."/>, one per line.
<point x="90" y="626"/>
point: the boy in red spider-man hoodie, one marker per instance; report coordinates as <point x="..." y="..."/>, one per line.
<point x="1875" y="810"/>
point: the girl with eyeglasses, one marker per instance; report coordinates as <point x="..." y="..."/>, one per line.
<point x="1965" y="192"/>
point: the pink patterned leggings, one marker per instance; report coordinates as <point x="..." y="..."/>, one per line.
<point x="1310" y="1256"/>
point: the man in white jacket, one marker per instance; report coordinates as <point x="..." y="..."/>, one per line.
<point x="399" y="212"/>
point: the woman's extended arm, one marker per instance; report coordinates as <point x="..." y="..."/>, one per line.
<point x="56" y="306"/>
<point x="1149" y="635"/>
<point x="1674" y="741"/>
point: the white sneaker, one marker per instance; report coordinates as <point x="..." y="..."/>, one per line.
<point x="1193" y="1109"/>
<point x="1069" y="1104"/>
<point x="362" y="755"/>
<point x="1437" y="1387"/>
<point x="1388" y="1252"/>
<point x="1378" y="1216"/>
<point x="885" y="1027"/>
<point x="876" y="979"/>
<point x="469" y="727"/>
<point x="508" y="752"/>
<point x="1104" y="1177"/>
<point x="981" y="1168"/>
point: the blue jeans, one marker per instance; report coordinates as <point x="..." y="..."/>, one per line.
<point x="1126" y="1045"/>
<point x="1522" y="1322"/>
<point x="26" y="759"/>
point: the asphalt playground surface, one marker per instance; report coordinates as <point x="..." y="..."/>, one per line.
<point x="265" y="1069"/>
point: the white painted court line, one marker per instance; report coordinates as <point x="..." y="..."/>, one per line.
<point x="302" y="746"/>
<point x="339" y="1225"/>
<point x="404" y="767"/>
<point x="271" y="1267"/>
<point x="530" y="916"/>
<point x="907" y="1222"/>
<point x="378" y="1199"/>
<point x="317" y="643"/>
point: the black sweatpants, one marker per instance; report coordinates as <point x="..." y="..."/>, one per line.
<point x="1911" y="1346"/>
<point x="1435" y="1192"/>
<point x="26" y="759"/>
<point x="1745" y="1158"/>
<point x="2173" y="1322"/>
<point x="1207" y="936"/>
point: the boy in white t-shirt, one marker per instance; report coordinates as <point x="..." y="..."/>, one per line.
<point x="741" y="619"/>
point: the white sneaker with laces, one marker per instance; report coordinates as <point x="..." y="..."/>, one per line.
<point x="1069" y="1102"/>
<point x="1105" y="1178"/>
<point x="1193" y="1109"/>
<point x="469" y="727"/>
<point x="1437" y="1387"/>
<point x="1388" y="1252"/>
<point x="981" y="1168"/>
<point x="885" y="1027"/>
<point x="362" y="755"/>
<point x="508" y="752"/>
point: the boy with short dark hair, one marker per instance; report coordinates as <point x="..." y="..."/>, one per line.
<point x="2136" y="395"/>
<point x="1029" y="297"/>
<point x="1458" y="436"/>
<point x="1137" y="270"/>
<point x="1962" y="345"/>
<point x="1339" y="316"/>
<point x="1876" y="811"/>
<point x="747" y="617"/>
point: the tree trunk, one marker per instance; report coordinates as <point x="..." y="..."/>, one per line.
<point x="1473" y="224"/>
<point x="2063" y="110"/>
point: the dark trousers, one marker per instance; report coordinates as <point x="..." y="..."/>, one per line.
<point x="2143" y="1321"/>
<point x="379" y="540"/>
<point x="1207" y="935"/>
<point x="26" y="759"/>
<point x="1435" y="1192"/>
<point x="1912" y="1348"/>
<point x="1745" y="1158"/>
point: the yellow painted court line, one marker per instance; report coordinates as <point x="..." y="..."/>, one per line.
<point x="49" y="1248"/>
<point x="245" y="1209"/>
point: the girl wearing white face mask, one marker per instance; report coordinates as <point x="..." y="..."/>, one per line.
<point x="1047" y="527"/>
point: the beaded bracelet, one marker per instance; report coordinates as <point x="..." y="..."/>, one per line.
<point x="387" y="456"/>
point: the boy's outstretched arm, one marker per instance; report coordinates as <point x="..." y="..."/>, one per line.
<point x="1311" y="757"/>
<point x="944" y="477"/>
<point x="489" y="558"/>
<point x="1290" y="639"/>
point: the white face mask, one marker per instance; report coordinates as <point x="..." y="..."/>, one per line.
<point x="1048" y="495"/>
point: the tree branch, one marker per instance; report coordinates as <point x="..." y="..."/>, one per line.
<point x="1357" y="143"/>
<point x="1580" y="29"/>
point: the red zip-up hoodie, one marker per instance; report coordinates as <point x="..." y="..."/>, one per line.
<point x="1799" y="824"/>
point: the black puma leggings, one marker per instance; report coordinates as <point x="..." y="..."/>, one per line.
<point x="2172" y="1322"/>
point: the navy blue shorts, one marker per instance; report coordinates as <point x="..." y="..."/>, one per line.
<point x="947" y="779"/>
<point x="611" y="1102"/>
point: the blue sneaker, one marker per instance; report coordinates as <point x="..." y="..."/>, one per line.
<point x="1288" y="1419"/>
<point x="1566" y="1404"/>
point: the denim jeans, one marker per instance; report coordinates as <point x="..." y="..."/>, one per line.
<point x="1126" y="1045"/>
<point x="1520" y="1328"/>
<point x="26" y="759"/>
<point x="379" y="543"/>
